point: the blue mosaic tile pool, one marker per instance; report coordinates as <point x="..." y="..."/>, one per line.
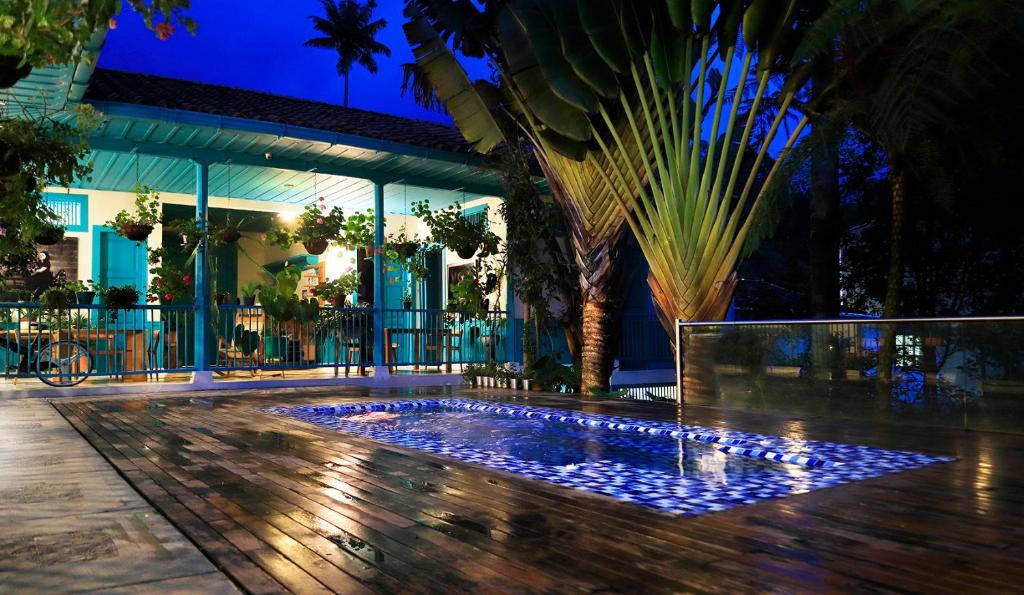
<point x="679" y="469"/>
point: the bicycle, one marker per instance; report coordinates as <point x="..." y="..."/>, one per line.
<point x="57" y="363"/>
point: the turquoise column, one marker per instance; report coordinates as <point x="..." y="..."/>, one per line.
<point x="378" y="280"/>
<point x="202" y="273"/>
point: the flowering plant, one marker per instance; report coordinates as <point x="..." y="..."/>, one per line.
<point x="317" y="224"/>
<point x="170" y="284"/>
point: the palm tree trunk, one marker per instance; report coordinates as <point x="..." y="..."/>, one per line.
<point x="598" y="343"/>
<point x="894" y="282"/>
<point x="346" y="89"/>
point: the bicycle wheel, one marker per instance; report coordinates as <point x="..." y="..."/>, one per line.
<point x="63" y="363"/>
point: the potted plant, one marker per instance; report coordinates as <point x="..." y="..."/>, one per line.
<point x="84" y="295"/>
<point x="317" y="227"/>
<point x="138" y="225"/>
<point x="23" y="296"/>
<point x="55" y="298"/>
<point x="400" y="246"/>
<point x="407" y="299"/>
<point x="120" y="297"/>
<point x="231" y="231"/>
<point x="454" y="230"/>
<point x="335" y="292"/>
<point x="249" y="292"/>
<point x="223" y="297"/>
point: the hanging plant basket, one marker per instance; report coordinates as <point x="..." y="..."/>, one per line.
<point x="229" y="236"/>
<point x="406" y="249"/>
<point x="315" y="247"/>
<point x="84" y="298"/>
<point x="466" y="252"/>
<point x="50" y="236"/>
<point x="338" y="300"/>
<point x="136" y="232"/>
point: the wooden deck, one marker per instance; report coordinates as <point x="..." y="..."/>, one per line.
<point x="282" y="505"/>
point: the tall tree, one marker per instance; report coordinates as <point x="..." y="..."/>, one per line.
<point x="349" y="29"/>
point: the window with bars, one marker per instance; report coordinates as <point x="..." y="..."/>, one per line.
<point x="72" y="209"/>
<point x="476" y="214"/>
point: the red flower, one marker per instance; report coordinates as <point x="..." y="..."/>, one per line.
<point x="158" y="281"/>
<point x="164" y="31"/>
<point x="168" y="296"/>
<point x="187" y="279"/>
<point x="319" y="220"/>
<point x="150" y="298"/>
<point x="321" y="199"/>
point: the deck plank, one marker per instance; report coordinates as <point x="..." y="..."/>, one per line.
<point x="282" y="505"/>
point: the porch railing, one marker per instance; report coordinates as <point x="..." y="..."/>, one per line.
<point x="90" y="340"/>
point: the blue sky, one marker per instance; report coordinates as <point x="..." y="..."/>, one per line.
<point x="258" y="44"/>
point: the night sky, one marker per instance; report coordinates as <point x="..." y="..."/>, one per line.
<point x="258" y="44"/>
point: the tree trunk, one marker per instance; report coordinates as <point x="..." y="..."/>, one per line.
<point x="346" y="89"/>
<point x="598" y="344"/>
<point x="824" y="230"/>
<point x="529" y="341"/>
<point x="894" y="283"/>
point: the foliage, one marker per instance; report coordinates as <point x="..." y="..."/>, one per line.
<point x="315" y="224"/>
<point x="147" y="210"/>
<point x="250" y="289"/>
<point x="38" y="34"/>
<point x="120" y="297"/>
<point x="34" y="154"/>
<point x="246" y="341"/>
<point x="468" y="296"/>
<point x="349" y="30"/>
<point x="56" y="297"/>
<point x="279" y="301"/>
<point x="358" y="231"/>
<point x="343" y="286"/>
<point x="170" y="284"/>
<point x="452" y="229"/>
<point x="551" y="375"/>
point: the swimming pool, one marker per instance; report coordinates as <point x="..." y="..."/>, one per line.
<point x="674" y="468"/>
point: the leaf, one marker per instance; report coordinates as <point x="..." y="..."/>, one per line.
<point x="579" y="52"/>
<point x="471" y="114"/>
<point x="600" y="20"/>
<point x="538" y="24"/>
<point x="523" y="65"/>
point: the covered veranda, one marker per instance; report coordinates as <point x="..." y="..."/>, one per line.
<point x="214" y="166"/>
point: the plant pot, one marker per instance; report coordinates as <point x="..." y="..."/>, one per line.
<point x="527" y="384"/>
<point x="248" y="301"/>
<point x="369" y="250"/>
<point x="406" y="249"/>
<point x="49" y="236"/>
<point x="407" y="305"/>
<point x="229" y="236"/>
<point x="466" y="252"/>
<point x="84" y="298"/>
<point x="136" y="232"/>
<point x="221" y="298"/>
<point x="315" y="247"/>
<point x="338" y="300"/>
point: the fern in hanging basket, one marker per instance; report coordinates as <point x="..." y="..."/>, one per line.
<point x="137" y="225"/>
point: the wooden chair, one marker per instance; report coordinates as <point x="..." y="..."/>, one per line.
<point x="113" y="354"/>
<point x="444" y="343"/>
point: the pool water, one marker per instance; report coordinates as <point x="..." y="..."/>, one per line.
<point x="675" y="468"/>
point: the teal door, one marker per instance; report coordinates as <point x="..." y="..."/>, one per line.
<point x="118" y="261"/>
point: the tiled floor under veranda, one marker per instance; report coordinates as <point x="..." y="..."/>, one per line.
<point x="278" y="505"/>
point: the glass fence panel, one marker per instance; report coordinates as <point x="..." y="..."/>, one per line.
<point x="946" y="372"/>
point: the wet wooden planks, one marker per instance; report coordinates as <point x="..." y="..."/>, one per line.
<point x="282" y="505"/>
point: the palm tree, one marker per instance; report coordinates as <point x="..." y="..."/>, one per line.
<point x="348" y="30"/>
